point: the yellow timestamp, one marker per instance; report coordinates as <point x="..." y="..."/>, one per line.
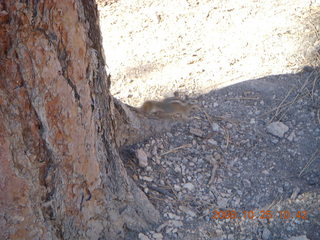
<point x="262" y="214"/>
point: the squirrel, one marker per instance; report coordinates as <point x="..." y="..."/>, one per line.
<point x="167" y="108"/>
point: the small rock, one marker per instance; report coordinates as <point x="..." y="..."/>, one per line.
<point x="266" y="234"/>
<point x="302" y="237"/>
<point x="154" y="151"/>
<point x="176" y="188"/>
<point x="217" y="156"/>
<point x="142" y="157"/>
<point x="212" y="142"/>
<point x="188" y="186"/>
<point x="197" y="132"/>
<point x="187" y="211"/>
<point x="177" y="169"/>
<point x="222" y="202"/>
<point x="236" y="202"/>
<point x="157" y="236"/>
<point x="146" y="178"/>
<point x="215" y="127"/>
<point x="173" y="216"/>
<point x="292" y="136"/>
<point x="162" y="226"/>
<point x="175" y="223"/>
<point x="295" y="193"/>
<point x="277" y="129"/>
<point x="143" y="237"/>
<point x="246" y="183"/>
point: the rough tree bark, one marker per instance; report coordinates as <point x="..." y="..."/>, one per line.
<point x="61" y="176"/>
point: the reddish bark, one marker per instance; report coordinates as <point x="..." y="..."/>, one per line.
<point x="60" y="173"/>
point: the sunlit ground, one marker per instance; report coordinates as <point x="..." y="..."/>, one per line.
<point x="153" y="48"/>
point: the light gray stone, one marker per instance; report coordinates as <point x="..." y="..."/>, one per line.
<point x="188" y="186"/>
<point x="142" y="158"/>
<point x="277" y="129"/>
<point x="266" y="234"/>
<point x="196" y="131"/>
<point x="301" y="237"/>
<point x="141" y="236"/>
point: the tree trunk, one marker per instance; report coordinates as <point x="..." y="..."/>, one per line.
<point x="61" y="176"/>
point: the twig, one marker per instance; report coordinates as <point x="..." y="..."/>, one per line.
<point x="313" y="157"/>
<point x="274" y="109"/>
<point x="162" y="191"/>
<point x="314" y="86"/>
<point x="273" y="204"/>
<point x="294" y="100"/>
<point x="245" y="98"/>
<point x="221" y="118"/>
<point x="207" y="116"/>
<point x="227" y="137"/>
<point x="280" y="105"/>
<point x="214" y="165"/>
<point x="213" y="173"/>
<point x="175" y="149"/>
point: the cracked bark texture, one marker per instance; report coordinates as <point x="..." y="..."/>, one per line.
<point x="61" y="176"/>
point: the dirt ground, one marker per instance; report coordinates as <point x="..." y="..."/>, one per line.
<point x="246" y="164"/>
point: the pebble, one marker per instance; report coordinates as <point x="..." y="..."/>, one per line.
<point x="222" y="202"/>
<point x="175" y="223"/>
<point x="277" y="129"/>
<point x="173" y="216"/>
<point x="146" y="178"/>
<point x="301" y="237"/>
<point x="176" y="188"/>
<point x="292" y="136"/>
<point x="162" y="226"/>
<point x="197" y="132"/>
<point x="266" y="234"/>
<point x="157" y="236"/>
<point x="187" y="211"/>
<point x="215" y="127"/>
<point x="295" y="193"/>
<point x="142" y="157"/>
<point x="212" y="142"/>
<point x="188" y="186"/>
<point x="177" y="169"/>
<point x="141" y="236"/>
<point x="217" y="156"/>
<point x="246" y="183"/>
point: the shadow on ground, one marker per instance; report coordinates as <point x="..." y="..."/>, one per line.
<point x="256" y="170"/>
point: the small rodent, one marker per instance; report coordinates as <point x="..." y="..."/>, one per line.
<point x="167" y="108"/>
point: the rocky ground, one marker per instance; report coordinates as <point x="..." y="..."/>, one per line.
<point x="246" y="164"/>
